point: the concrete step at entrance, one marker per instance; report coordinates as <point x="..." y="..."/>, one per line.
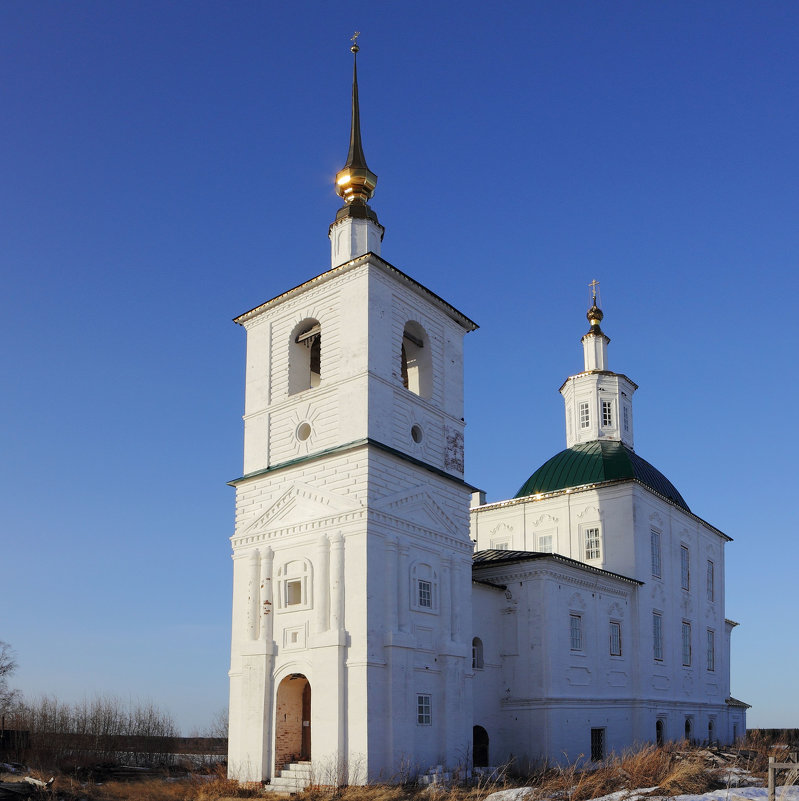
<point x="292" y="779"/>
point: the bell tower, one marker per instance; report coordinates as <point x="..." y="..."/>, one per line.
<point x="351" y="647"/>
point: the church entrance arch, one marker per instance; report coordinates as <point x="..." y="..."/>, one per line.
<point x="293" y="721"/>
<point x="480" y="747"/>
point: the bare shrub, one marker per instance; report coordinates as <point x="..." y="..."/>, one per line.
<point x="103" y="729"/>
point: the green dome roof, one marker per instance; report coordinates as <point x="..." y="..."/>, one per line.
<point x="593" y="463"/>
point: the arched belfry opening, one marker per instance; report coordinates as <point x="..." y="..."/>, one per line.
<point x="305" y="356"/>
<point x="416" y="362"/>
<point x="293" y="721"/>
<point x="480" y="747"/>
<point x="659" y="736"/>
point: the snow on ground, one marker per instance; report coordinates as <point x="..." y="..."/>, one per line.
<point x="790" y="793"/>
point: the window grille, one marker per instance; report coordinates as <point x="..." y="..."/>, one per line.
<point x="656" y="553"/>
<point x="607" y="413"/>
<point x="585" y="418"/>
<point x="597" y="745"/>
<point x="576" y="632"/>
<point x="711" y="649"/>
<point x="685" y="568"/>
<point x="657" y="635"/>
<point x="686" y="643"/>
<point x="615" y="638"/>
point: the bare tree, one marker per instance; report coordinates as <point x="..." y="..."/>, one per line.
<point x="8" y="664"/>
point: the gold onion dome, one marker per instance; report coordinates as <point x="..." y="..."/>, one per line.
<point x="595" y="316"/>
<point x="355" y="182"/>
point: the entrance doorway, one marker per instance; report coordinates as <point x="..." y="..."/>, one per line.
<point x="293" y="721"/>
<point x="480" y="747"/>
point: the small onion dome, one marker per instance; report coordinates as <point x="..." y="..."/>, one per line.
<point x="595" y="316"/>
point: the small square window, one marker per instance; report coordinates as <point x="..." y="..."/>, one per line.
<point x="425" y="594"/>
<point x="576" y="632"/>
<point x="585" y="418"/>
<point x="615" y="638"/>
<point x="424" y="715"/>
<point x="293" y="592"/>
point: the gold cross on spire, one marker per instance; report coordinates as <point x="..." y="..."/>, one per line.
<point x="593" y="285"/>
<point x="354" y="40"/>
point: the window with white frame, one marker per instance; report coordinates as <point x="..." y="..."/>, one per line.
<point x="424" y="710"/>
<point x="592" y="541"/>
<point x="615" y="638"/>
<point x="425" y="594"/>
<point x="711" y="649"/>
<point x="294" y="585"/>
<point x="585" y="415"/>
<point x="424" y="587"/>
<point x="657" y="635"/>
<point x="545" y="543"/>
<point x="607" y="413"/>
<point x="626" y="418"/>
<point x="657" y="561"/>
<point x="685" y="568"/>
<point x="576" y="632"/>
<point x="711" y="590"/>
<point x="500" y="545"/>
<point x="686" y="643"/>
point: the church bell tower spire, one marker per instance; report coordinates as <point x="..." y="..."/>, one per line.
<point x="356" y="230"/>
<point x="598" y="401"/>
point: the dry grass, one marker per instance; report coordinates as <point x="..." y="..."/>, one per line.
<point x="674" y="769"/>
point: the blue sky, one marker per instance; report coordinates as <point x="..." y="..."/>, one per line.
<point x="166" y="166"/>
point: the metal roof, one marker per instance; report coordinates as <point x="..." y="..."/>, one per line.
<point x="494" y="556"/>
<point x="594" y="463"/>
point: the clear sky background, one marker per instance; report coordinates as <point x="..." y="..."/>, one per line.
<point x="165" y="166"/>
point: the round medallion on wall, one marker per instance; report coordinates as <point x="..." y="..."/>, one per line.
<point x="417" y="435"/>
<point x="303" y="431"/>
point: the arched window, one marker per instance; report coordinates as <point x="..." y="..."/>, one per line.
<point x="688" y="729"/>
<point x="294" y="585"/>
<point x="711" y="731"/>
<point x="305" y="356"/>
<point x="416" y="365"/>
<point x="477" y="654"/>
<point x="659" y="739"/>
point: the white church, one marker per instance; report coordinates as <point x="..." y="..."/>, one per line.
<point x="386" y="620"/>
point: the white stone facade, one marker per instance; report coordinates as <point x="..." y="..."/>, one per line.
<point x="369" y="641"/>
